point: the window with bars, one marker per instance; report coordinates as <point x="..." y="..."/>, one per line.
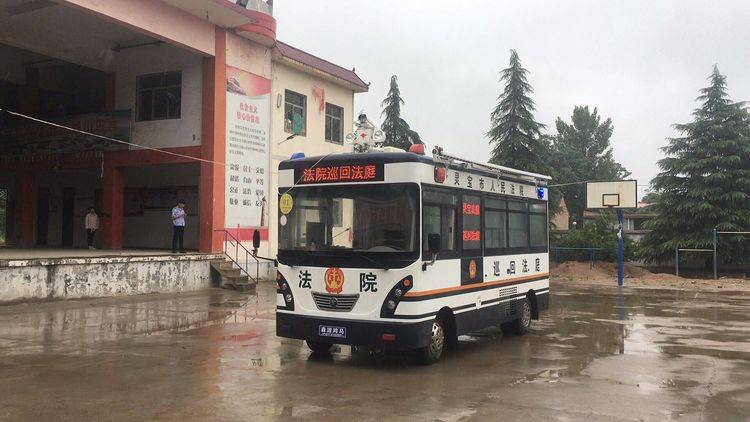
<point x="295" y="113"/>
<point x="334" y="123"/>
<point x="159" y="96"/>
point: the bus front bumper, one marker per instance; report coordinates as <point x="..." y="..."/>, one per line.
<point x="387" y="335"/>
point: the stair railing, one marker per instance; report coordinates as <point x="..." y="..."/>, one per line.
<point x="230" y="241"/>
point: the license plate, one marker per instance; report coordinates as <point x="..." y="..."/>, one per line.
<point x="330" y="331"/>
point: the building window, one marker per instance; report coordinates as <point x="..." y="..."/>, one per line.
<point x="159" y="96"/>
<point x="334" y="126"/>
<point x="295" y="113"/>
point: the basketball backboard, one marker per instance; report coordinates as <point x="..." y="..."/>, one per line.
<point x="617" y="194"/>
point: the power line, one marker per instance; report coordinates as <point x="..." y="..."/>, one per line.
<point x="119" y="141"/>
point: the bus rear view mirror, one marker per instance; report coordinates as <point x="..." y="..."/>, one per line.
<point x="433" y="247"/>
<point x="433" y="243"/>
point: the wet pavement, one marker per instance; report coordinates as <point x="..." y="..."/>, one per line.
<point x="598" y="354"/>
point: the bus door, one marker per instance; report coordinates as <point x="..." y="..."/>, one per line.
<point x="471" y="235"/>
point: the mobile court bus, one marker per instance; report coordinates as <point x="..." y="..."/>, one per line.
<point x="398" y="250"/>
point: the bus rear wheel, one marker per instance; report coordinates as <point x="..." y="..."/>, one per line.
<point x="519" y="326"/>
<point x="434" y="349"/>
<point x="319" y="347"/>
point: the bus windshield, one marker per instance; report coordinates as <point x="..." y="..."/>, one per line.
<point x="376" y="222"/>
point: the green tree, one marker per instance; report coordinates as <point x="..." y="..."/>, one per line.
<point x="584" y="152"/>
<point x="515" y="136"/>
<point x="705" y="180"/>
<point x="397" y="132"/>
<point x="599" y="233"/>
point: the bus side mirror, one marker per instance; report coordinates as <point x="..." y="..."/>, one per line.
<point x="433" y="243"/>
<point x="256" y="241"/>
<point x="433" y="247"/>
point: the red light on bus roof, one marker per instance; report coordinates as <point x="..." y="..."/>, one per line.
<point x="439" y="174"/>
<point x="417" y="149"/>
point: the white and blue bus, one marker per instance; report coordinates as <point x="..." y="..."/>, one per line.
<point x="398" y="250"/>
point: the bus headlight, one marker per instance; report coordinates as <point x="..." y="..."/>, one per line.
<point x="285" y="291"/>
<point x="396" y="295"/>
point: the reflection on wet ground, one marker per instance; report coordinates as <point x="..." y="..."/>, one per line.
<point x="599" y="354"/>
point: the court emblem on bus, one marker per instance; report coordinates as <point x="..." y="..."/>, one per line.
<point x="472" y="269"/>
<point x="334" y="278"/>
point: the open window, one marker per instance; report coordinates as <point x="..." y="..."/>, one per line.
<point x="439" y="216"/>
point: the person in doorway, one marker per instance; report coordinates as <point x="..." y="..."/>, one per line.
<point x="178" y="224"/>
<point x="92" y="225"/>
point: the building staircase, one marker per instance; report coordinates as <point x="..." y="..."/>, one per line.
<point x="231" y="276"/>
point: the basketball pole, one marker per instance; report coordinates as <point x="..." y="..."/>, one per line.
<point x="619" y="247"/>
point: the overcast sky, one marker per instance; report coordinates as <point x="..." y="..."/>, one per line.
<point x="640" y="62"/>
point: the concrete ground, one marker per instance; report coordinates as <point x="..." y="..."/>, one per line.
<point x="599" y="354"/>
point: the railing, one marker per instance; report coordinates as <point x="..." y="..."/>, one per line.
<point x="231" y="242"/>
<point x="592" y="253"/>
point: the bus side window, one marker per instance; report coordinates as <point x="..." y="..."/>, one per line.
<point x="538" y="225"/>
<point x="518" y="225"/>
<point x="495" y="226"/>
<point x="439" y="216"/>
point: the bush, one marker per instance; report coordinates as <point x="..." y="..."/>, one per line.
<point x="600" y="233"/>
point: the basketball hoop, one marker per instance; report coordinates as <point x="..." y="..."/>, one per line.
<point x="617" y="195"/>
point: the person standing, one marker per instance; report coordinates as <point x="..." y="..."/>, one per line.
<point x="178" y="224"/>
<point x="92" y="225"/>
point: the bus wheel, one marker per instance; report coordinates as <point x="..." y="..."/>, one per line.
<point x="434" y="349"/>
<point x="521" y="325"/>
<point x="319" y="347"/>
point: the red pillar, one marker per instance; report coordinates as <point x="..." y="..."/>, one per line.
<point x="25" y="207"/>
<point x="213" y="147"/>
<point x="109" y="92"/>
<point x="111" y="221"/>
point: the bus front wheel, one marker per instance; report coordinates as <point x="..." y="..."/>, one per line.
<point x="434" y="349"/>
<point x="521" y="325"/>
<point x="319" y="347"/>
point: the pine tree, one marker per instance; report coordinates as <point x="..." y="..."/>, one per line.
<point x="584" y="148"/>
<point x="397" y="132"/>
<point x="705" y="181"/>
<point x="515" y="135"/>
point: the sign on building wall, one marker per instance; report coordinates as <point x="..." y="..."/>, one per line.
<point x="26" y="138"/>
<point x="247" y="155"/>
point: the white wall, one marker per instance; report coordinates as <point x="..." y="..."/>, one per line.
<point x="131" y="63"/>
<point x="313" y="143"/>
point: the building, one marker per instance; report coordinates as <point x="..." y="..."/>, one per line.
<point x="633" y="220"/>
<point x="203" y="96"/>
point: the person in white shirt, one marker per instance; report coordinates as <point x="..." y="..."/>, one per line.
<point x="178" y="224"/>
<point x="92" y="225"/>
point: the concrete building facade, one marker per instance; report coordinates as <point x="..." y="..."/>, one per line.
<point x="200" y="91"/>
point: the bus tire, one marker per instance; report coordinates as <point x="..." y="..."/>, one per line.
<point x="434" y="349"/>
<point x="520" y="326"/>
<point x="319" y="347"/>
